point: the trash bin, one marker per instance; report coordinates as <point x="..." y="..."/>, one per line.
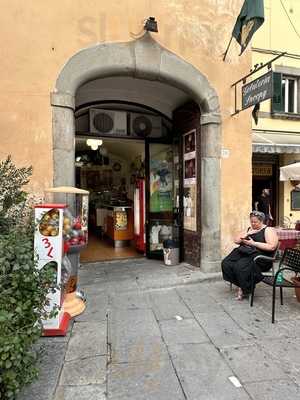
<point x="171" y="252"/>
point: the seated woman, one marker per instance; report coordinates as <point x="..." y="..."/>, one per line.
<point x="258" y="240"/>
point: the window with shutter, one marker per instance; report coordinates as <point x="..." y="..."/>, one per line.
<point x="289" y="94"/>
<point x="285" y="94"/>
<point x="277" y="99"/>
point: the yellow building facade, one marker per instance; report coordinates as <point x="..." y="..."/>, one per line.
<point x="276" y="137"/>
<point x="59" y="56"/>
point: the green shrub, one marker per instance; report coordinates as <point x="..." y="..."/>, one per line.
<point x="23" y="289"/>
<point x="13" y="198"/>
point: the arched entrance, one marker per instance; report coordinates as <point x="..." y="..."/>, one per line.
<point x="144" y="59"/>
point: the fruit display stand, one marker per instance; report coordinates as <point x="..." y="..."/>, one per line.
<point x="75" y="236"/>
<point x="49" y="253"/>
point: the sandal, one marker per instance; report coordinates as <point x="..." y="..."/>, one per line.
<point x="240" y="295"/>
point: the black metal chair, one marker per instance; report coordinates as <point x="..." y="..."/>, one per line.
<point x="290" y="261"/>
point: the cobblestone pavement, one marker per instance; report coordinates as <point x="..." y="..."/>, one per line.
<point x="148" y="334"/>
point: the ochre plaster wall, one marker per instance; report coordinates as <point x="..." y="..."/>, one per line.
<point x="40" y="37"/>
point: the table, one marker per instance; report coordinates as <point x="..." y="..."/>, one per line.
<point x="287" y="237"/>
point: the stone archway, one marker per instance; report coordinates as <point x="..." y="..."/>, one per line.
<point x="144" y="59"/>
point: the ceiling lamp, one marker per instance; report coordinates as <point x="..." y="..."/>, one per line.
<point x="94" y="143"/>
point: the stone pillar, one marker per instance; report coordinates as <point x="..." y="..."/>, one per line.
<point x="210" y="193"/>
<point x="63" y="128"/>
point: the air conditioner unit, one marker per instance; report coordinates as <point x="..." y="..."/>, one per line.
<point x="143" y="125"/>
<point x="108" y="122"/>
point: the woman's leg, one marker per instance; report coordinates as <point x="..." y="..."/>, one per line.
<point x="240" y="294"/>
<point x="228" y="271"/>
<point x="243" y="270"/>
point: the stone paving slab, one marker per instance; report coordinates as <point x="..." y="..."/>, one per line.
<point x="129" y="326"/>
<point x="88" y="339"/>
<point x="184" y="331"/>
<point x="91" y="290"/>
<point x="222" y="329"/>
<point x="204" y="374"/>
<point x="219" y="291"/>
<point x="284" y="352"/>
<point x="92" y="270"/>
<point x="88" y="392"/>
<point x="256" y="322"/>
<point x="87" y="371"/>
<point x="50" y="368"/>
<point x="96" y="308"/>
<point x="291" y="326"/>
<point x="88" y="278"/>
<point x="273" y="390"/>
<point x="134" y="335"/>
<point x="135" y="300"/>
<point x="252" y="364"/>
<point x="139" y="350"/>
<point x="289" y="310"/>
<point x="168" y="304"/>
<point x="198" y="299"/>
<point x="152" y="380"/>
<point x="119" y="285"/>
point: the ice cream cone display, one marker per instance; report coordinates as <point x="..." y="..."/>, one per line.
<point x="74" y="303"/>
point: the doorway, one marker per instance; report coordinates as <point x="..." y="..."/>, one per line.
<point x="265" y="169"/>
<point x="166" y="75"/>
<point x="134" y="196"/>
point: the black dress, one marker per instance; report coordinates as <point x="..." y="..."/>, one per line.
<point x="237" y="267"/>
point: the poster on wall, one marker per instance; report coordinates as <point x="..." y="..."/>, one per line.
<point x="189" y="157"/>
<point x="189" y="207"/>
<point x="161" y="185"/>
<point x="190" y="142"/>
<point x="189" y="181"/>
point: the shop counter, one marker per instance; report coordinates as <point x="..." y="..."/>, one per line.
<point x="119" y="225"/>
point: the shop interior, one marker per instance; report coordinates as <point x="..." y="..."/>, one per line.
<point x="111" y="165"/>
<point x="110" y="173"/>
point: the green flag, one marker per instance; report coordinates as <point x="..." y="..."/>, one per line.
<point x="250" y="19"/>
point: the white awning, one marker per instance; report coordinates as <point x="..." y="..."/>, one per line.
<point x="275" y="142"/>
<point x="290" y="172"/>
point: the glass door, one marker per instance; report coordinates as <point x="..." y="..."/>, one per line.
<point x="162" y="197"/>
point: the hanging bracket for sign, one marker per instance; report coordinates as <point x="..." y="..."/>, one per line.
<point x="258" y="90"/>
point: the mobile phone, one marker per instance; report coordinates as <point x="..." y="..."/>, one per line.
<point x="246" y="237"/>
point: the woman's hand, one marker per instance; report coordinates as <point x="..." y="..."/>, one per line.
<point x="249" y="242"/>
<point x="239" y="238"/>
